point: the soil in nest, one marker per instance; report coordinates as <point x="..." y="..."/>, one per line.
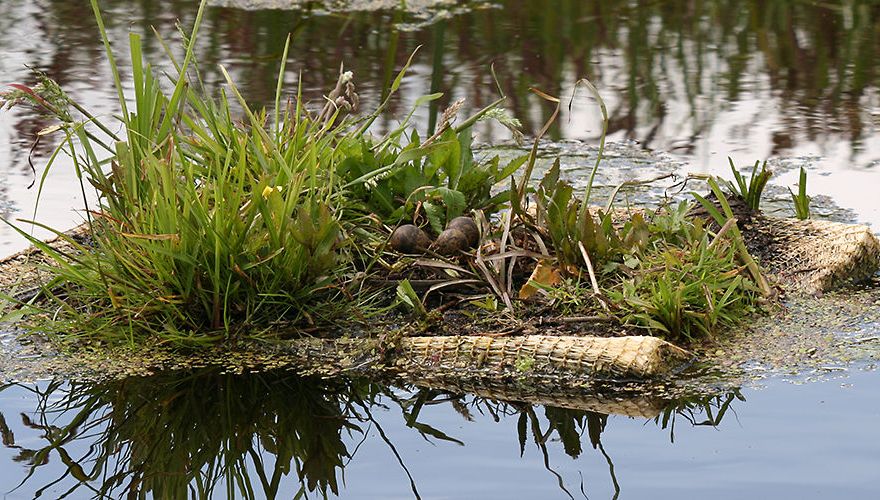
<point x="759" y="241"/>
<point x="534" y="320"/>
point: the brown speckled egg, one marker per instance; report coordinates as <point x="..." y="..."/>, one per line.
<point x="450" y="242"/>
<point x="467" y="226"/>
<point x="409" y="239"/>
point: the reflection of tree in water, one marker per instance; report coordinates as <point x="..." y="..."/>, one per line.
<point x="655" y="61"/>
<point x="183" y="434"/>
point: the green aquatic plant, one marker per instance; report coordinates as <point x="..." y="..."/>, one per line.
<point x="724" y="217"/>
<point x="801" y="200"/>
<point x="658" y="269"/>
<point x="408" y="297"/>
<point x="579" y="235"/>
<point x="428" y="182"/>
<point x="203" y="224"/>
<point x="752" y="190"/>
<point x="687" y="289"/>
<point x="675" y="277"/>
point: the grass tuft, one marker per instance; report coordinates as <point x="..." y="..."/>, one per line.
<point x="217" y="221"/>
<point x="801" y="200"/>
<point x="752" y="190"/>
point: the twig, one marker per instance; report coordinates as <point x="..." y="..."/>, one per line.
<point x="865" y="339"/>
<point x="508" y="219"/>
<point x="624" y="184"/>
<point x="589" y="268"/>
<point x="724" y="230"/>
<point x="593" y="280"/>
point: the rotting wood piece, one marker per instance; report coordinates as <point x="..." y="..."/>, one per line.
<point x="527" y="356"/>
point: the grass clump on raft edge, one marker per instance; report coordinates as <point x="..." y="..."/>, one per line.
<point x="209" y="230"/>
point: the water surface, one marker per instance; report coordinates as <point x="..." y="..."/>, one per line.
<point x="792" y="82"/>
<point x="687" y="83"/>
<point x="274" y="434"/>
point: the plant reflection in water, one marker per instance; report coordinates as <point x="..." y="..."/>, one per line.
<point x="206" y="433"/>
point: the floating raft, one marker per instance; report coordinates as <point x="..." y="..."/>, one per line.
<point x="805" y="257"/>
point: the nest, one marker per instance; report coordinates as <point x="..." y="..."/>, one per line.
<point x="801" y="256"/>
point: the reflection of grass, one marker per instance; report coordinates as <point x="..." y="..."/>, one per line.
<point x="182" y="434"/>
<point x="205" y="433"/>
<point x="572" y="429"/>
<point x="700" y="410"/>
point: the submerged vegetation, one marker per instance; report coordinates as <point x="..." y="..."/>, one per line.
<point x="216" y="221"/>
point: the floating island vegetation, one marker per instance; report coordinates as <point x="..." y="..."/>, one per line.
<point x="216" y="222"/>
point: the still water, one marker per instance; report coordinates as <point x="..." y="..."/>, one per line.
<point x="701" y="80"/>
<point x="686" y="83"/>
<point x="275" y="435"/>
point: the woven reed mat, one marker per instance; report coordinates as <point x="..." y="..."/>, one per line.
<point x="528" y="356"/>
<point x="816" y="256"/>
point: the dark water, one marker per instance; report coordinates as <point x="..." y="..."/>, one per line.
<point x="691" y="81"/>
<point x="275" y="435"/>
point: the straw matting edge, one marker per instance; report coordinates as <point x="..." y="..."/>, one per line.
<point x="525" y="356"/>
<point x="817" y="256"/>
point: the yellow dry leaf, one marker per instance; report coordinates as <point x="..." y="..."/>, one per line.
<point x="545" y="274"/>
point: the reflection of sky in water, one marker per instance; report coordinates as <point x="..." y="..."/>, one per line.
<point x="789" y="442"/>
